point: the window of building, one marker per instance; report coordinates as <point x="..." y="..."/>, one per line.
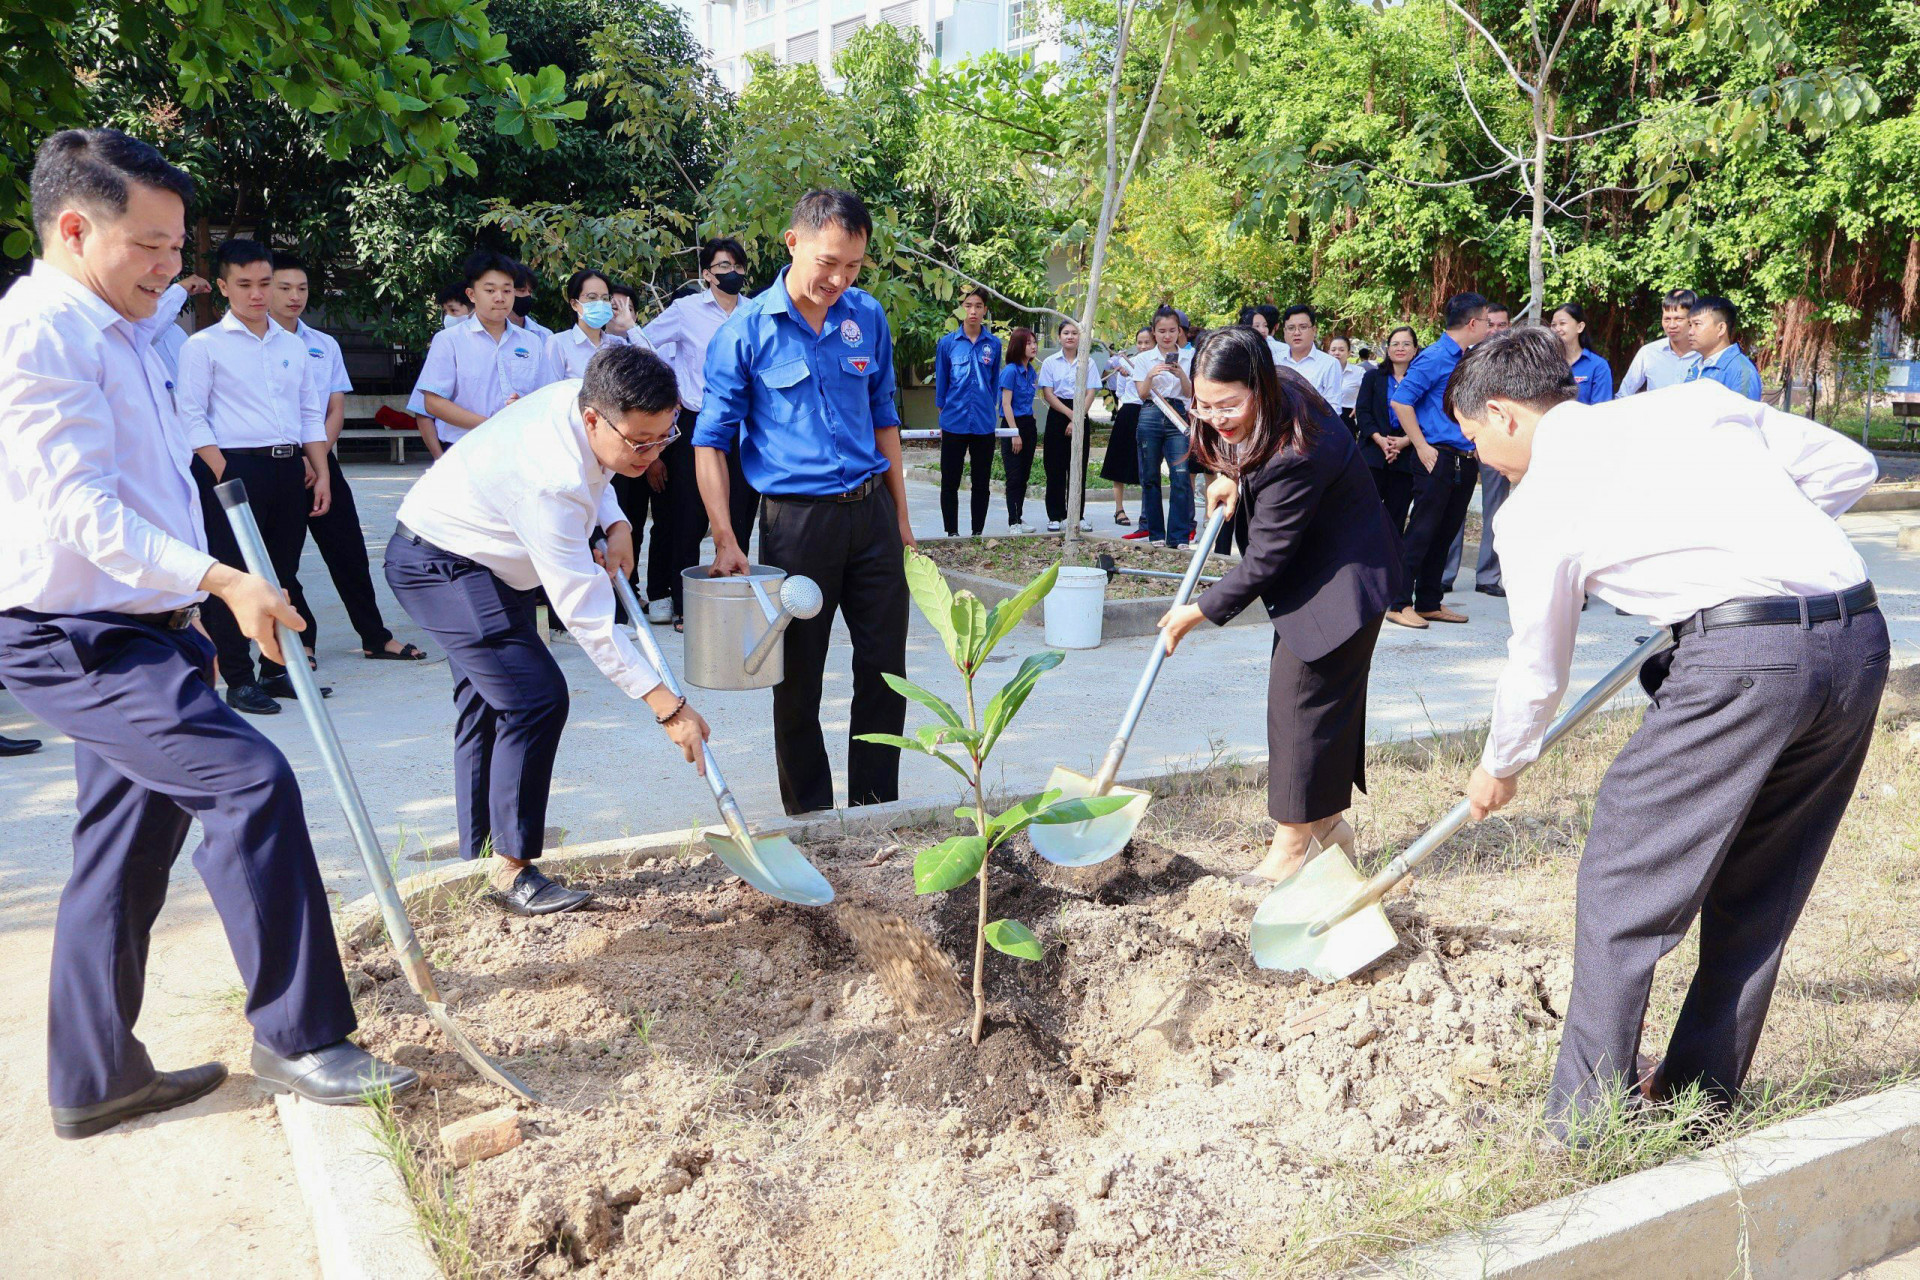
<point x="757" y="9"/>
<point x="843" y="32"/>
<point x="905" y="15"/>
<point x="804" y="48"/>
<point x="1023" y="21"/>
<point x="939" y="38"/>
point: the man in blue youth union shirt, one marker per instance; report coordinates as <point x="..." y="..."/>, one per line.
<point x="966" y="392"/>
<point x="802" y="377"/>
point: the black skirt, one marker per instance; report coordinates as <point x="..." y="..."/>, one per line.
<point x="1121" y="465"/>
<point x="1317" y="728"/>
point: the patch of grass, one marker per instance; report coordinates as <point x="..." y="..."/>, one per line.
<point x="1019" y="559"/>
<point x="444" y="1217"/>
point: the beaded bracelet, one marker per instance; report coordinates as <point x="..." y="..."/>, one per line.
<point x="681" y="706"/>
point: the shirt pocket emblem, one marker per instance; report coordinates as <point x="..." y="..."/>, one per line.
<point x="859" y="364"/>
<point x="850" y="333"/>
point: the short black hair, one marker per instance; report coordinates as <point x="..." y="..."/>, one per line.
<point x="1164" y="312"/>
<point x="523" y="277"/>
<point x="239" y="252"/>
<point x="977" y="292"/>
<point x="578" y="281"/>
<point x="1246" y="316"/>
<point x="1461" y="308"/>
<point x="626" y="291"/>
<point x="1272" y="313"/>
<point x="1301" y="309"/>
<point x="1501" y="307"/>
<point x="91" y="169"/>
<point x="713" y="248"/>
<point x="1527" y="365"/>
<point x="623" y="379"/>
<point x="843" y="209"/>
<point x="452" y="291"/>
<point x="1714" y="302"/>
<point x="480" y="262"/>
<point x="283" y="261"/>
<point x="1679" y="298"/>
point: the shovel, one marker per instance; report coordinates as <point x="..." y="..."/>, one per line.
<point x="1111" y="567"/>
<point x="1081" y="844"/>
<point x="772" y="864"/>
<point x="393" y="913"/>
<point x="1325" y="920"/>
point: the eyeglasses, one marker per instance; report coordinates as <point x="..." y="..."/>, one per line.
<point x="642" y="448"/>
<point x="1220" y="413"/>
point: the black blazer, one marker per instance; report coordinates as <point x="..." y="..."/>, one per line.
<point x="1374" y="414"/>
<point x="1321" y="554"/>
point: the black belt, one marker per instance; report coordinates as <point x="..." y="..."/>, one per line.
<point x="1802" y="611"/>
<point x="854" y="494"/>
<point x="265" y="451"/>
<point x="402" y="531"/>
<point x="173" y="620"/>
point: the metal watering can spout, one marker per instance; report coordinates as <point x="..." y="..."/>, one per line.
<point x="799" y="598"/>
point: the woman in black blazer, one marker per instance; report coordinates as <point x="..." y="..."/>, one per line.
<point x="1383" y="443"/>
<point x="1321" y="558"/>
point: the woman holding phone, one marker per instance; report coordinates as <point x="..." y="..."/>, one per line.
<point x="1321" y="559"/>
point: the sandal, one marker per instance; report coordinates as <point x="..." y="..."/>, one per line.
<point x="1120" y="518"/>
<point x="680" y="624"/>
<point x="407" y="653"/>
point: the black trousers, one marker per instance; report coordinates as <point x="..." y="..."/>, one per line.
<point x="1059" y="460"/>
<point x="1721" y="805"/>
<point x="853" y="550"/>
<point x="343" y="545"/>
<point x="1440" y="500"/>
<point x="956" y="451"/>
<point x="638" y="500"/>
<point x="277" y="492"/>
<point x="1018" y="464"/>
<point x="742" y="498"/>
<point x="1396" y="492"/>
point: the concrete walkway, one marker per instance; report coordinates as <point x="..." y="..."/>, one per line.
<point x="210" y="1191"/>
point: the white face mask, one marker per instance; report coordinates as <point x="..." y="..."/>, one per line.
<point x="447" y="322"/>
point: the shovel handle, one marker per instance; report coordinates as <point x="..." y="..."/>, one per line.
<point x="1458" y="816"/>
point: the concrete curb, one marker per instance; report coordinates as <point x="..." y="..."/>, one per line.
<point x="362" y="1219"/>
<point x="1888" y="499"/>
<point x="1119" y="618"/>
<point x="1807" y="1199"/>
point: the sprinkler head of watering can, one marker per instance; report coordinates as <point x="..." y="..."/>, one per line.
<point x="801" y="596"/>
<point x="1081" y="844"/>
<point x="1280" y="937"/>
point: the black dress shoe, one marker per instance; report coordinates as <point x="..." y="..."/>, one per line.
<point x="1497" y="591"/>
<point x="252" y="699"/>
<point x="19" y="746"/>
<point x="339" y="1074"/>
<point x="281" y="686"/>
<point x="532" y="894"/>
<point x="167" y="1089"/>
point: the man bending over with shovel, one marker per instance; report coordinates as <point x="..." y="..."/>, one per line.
<point x="512" y="510"/>
<point x="1723" y="802"/>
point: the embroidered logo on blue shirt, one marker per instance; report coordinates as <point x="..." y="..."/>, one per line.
<point x="986" y="355"/>
<point x="850" y="333"/>
<point x="858" y="363"/>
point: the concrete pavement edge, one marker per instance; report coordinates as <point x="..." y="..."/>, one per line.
<point x="362" y="1218"/>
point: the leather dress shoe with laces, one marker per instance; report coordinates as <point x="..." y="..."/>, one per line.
<point x="532" y="894"/>
<point x="338" y="1074"/>
<point x="281" y="686"/>
<point x="167" y="1089"/>
<point x="18" y="746"/>
<point x="252" y="699"/>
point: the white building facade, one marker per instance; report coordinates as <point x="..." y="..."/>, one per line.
<point x="800" y="31"/>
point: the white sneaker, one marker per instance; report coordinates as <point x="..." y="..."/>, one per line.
<point x="1053" y="526"/>
<point x="1021" y="527"/>
<point x="1086" y="526"/>
<point x="660" y="612"/>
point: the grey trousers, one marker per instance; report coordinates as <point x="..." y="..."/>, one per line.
<point x="1493" y="492"/>
<point x="1721" y="805"/>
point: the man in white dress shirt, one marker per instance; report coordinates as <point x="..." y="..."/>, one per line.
<point x="1665" y="362"/>
<point x="510" y="511"/>
<point x="1725" y="799"/>
<point x="102" y="563"/>
<point x="1300" y="329"/>
<point x="479" y="366"/>
<point x="253" y="410"/>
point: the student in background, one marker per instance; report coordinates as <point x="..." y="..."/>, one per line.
<point x="966" y="389"/>
<point x="1383" y="442"/>
<point x="524" y="283"/>
<point x="1351" y="372"/>
<point x="336" y="531"/>
<point x="1121" y="463"/>
<point x="1056" y="388"/>
<point x="482" y="364"/>
<point x="626" y="310"/>
<point x="1710" y="323"/>
<point x="1591" y="373"/>
<point x="1164" y="371"/>
<point x="1019" y="384"/>
<point x="1270" y="316"/>
<point x="168" y="336"/>
<point x="454" y="307"/>
<point x="1665" y="361"/>
<point x="1300" y="328"/>
<point x="1499" y="320"/>
<point x="590" y="294"/>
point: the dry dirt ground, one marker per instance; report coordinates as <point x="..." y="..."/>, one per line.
<point x="742" y="1088"/>
<point x="1020" y="560"/>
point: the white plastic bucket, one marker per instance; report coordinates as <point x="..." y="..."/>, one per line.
<point x="1075" y="607"/>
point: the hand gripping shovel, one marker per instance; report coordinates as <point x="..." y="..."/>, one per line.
<point x="772" y="864"/>
<point x="1081" y="844"/>
<point x="233" y="497"/>
<point x="1325" y="920"/>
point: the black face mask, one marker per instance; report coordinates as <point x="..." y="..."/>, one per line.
<point x="729" y="282"/>
<point x="523" y="307"/>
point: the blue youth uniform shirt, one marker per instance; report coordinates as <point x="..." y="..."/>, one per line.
<point x="804" y="406"/>
<point x="1594" y="378"/>
<point x="1024" y="381"/>
<point x="1424" y="390"/>
<point x="1732" y="370"/>
<point x="966" y="382"/>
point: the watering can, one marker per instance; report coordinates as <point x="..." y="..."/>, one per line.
<point x="734" y="625"/>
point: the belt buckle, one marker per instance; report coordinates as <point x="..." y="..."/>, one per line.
<point x="284" y="450"/>
<point x="182" y="618"/>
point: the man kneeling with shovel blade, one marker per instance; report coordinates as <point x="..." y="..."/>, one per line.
<point x="1724" y="800"/>
<point x="514" y="509"/>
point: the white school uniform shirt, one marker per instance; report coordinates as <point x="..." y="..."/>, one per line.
<point x="1655" y="367"/>
<point x="567" y="353"/>
<point x="522" y="498"/>
<point x="1056" y="375"/>
<point x="329" y="365"/>
<point x="468" y="366"/>
<point x="681" y="334"/>
<point x="98" y="509"/>
<point x="1120" y="370"/>
<point x="236" y="391"/>
<point x="1321" y="370"/>
<point x="1350" y="379"/>
<point x="1742" y="503"/>
<point x="532" y="326"/>
<point x="1164" y="382"/>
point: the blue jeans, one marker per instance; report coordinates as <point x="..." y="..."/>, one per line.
<point x="1159" y="440"/>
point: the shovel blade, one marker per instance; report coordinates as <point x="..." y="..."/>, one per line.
<point x="1279" y="938"/>
<point x="775" y="866"/>
<point x="489" y="1070"/>
<point x="1081" y="844"/>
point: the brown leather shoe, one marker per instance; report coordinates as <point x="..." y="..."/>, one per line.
<point x="1407" y="618"/>
<point x="1444" y="614"/>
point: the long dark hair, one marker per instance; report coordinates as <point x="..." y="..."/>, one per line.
<point x="1020" y="346"/>
<point x="1579" y="315"/>
<point x="1397" y="331"/>
<point x="1285" y="406"/>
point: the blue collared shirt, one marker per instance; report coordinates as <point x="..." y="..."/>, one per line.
<point x="805" y="406"/>
<point x="966" y="382"/>
<point x="1424" y="390"/>
<point x="1732" y="370"/>
<point x="1024" y="381"/>
<point x="468" y="366"/>
<point x="1593" y="377"/>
